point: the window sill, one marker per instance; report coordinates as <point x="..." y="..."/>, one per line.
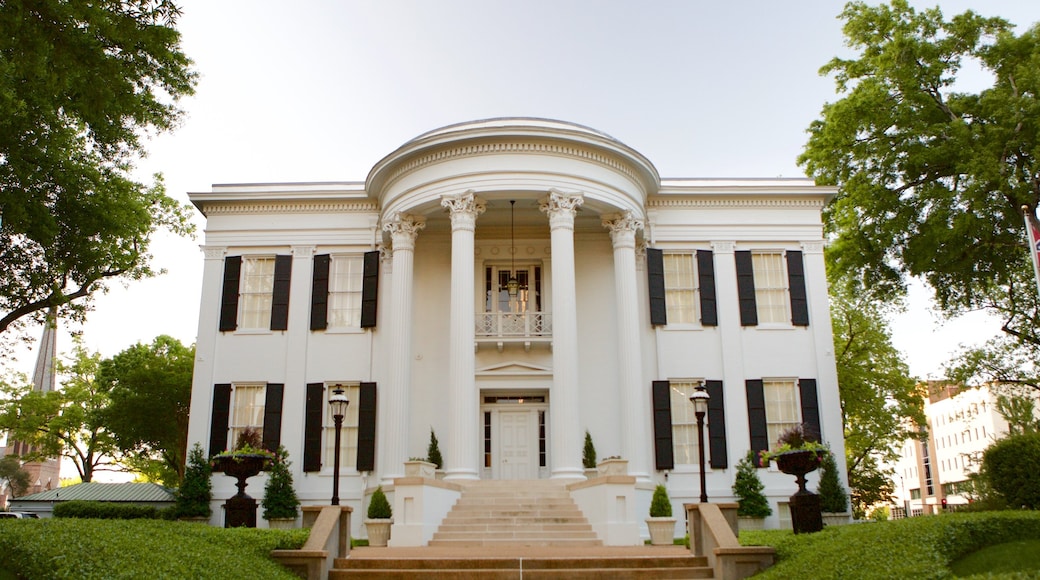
<point x="344" y="330"/>
<point x="775" y="326"/>
<point x="681" y="327"/>
<point x="255" y="331"/>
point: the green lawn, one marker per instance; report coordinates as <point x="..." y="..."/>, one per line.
<point x="116" y="549"/>
<point x="921" y="547"/>
<point x="1019" y="556"/>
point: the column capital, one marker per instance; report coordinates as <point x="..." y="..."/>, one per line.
<point x="723" y="247"/>
<point x="812" y="247"/>
<point x="303" y="251"/>
<point x="464" y="208"/>
<point x="403" y="229"/>
<point x="622" y="228"/>
<point x="214" y="252"/>
<point x="561" y="207"/>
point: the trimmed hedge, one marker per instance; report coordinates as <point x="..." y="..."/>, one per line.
<point x="133" y="549"/>
<point x="102" y="510"/>
<point x="919" y="547"/>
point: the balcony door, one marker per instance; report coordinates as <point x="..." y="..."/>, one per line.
<point x="529" y="292"/>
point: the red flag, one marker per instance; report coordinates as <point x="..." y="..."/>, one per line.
<point x="1033" y="233"/>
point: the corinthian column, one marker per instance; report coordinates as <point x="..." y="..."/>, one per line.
<point x="403" y="229"/>
<point x="464" y="435"/>
<point x="566" y="401"/>
<point x="635" y="446"/>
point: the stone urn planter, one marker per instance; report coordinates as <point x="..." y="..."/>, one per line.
<point x="240" y="508"/>
<point x="378" y="532"/>
<point x="614" y="466"/>
<point x="806" y="514"/>
<point x="662" y="531"/>
<point x="419" y="468"/>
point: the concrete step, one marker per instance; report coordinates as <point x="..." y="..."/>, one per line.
<point x="496" y="527"/>
<point x="621" y="567"/>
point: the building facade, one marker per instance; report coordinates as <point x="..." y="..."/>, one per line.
<point x="510" y="284"/>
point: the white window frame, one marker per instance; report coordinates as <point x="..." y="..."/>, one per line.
<point x="248" y="402"/>
<point x="783" y="407"/>
<point x="256" y="293"/>
<point x="346" y="280"/>
<point x="772" y="291"/>
<point x="681" y="289"/>
<point x="348" y="443"/>
<point x="684" y="422"/>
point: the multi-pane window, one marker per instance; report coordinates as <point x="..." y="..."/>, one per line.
<point x="782" y="408"/>
<point x="346" y="274"/>
<point x="348" y="444"/>
<point x="247" y="409"/>
<point x="680" y="284"/>
<point x="684" y="422"/>
<point x="771" y="293"/>
<point x="256" y="293"/>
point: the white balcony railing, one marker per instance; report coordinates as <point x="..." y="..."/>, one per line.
<point x="513" y="325"/>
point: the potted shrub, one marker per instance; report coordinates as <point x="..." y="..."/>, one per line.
<point x="196" y="491"/>
<point x="247" y="459"/>
<point x="433" y="451"/>
<point x="380" y="517"/>
<point x="588" y="455"/>
<point x="833" y="500"/>
<point x="281" y="506"/>
<point x="752" y="505"/>
<point x="661" y="523"/>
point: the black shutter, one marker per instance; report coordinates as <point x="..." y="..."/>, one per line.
<point x="366" y="445"/>
<point x="662" y="403"/>
<point x="370" y="290"/>
<point x="218" y="426"/>
<point x="655" y="283"/>
<point x="273" y="416"/>
<point x="280" y="293"/>
<point x="810" y="406"/>
<point x="320" y="292"/>
<point x="312" y="426"/>
<point x="796" y="282"/>
<point x="756" y="409"/>
<point x="706" y="284"/>
<point x="229" y="295"/>
<point x="717" y="425"/>
<point x="746" y="288"/>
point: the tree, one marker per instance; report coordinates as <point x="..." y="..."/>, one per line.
<point x="932" y="177"/>
<point x="1010" y="464"/>
<point x="280" y="499"/>
<point x="149" y="391"/>
<point x="747" y="487"/>
<point x="12" y="474"/>
<point x="832" y="495"/>
<point x="588" y="452"/>
<point x="433" y="451"/>
<point x="196" y="488"/>
<point x="65" y="422"/>
<point x="881" y="406"/>
<point x="81" y="86"/>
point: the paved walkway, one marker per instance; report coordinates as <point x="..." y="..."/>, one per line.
<point x="362" y="552"/>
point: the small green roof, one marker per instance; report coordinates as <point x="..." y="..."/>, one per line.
<point x="94" y="491"/>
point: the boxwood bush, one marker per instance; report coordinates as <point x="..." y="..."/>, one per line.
<point x="920" y="547"/>
<point x="118" y="549"/>
<point x="102" y="510"/>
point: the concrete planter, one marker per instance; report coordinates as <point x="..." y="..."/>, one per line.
<point x="836" y="519"/>
<point x="612" y="467"/>
<point x="420" y="469"/>
<point x="378" y="532"/>
<point x="750" y="524"/>
<point x="662" y="531"/>
<point x="282" y="523"/>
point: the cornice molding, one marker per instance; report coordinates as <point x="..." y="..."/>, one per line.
<point x="739" y="202"/>
<point x="289" y="207"/>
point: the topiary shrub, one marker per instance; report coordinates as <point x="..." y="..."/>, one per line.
<point x="379" y="508"/>
<point x="832" y="495"/>
<point x="748" y="488"/>
<point x="280" y="499"/>
<point x="588" y="453"/>
<point x="433" y="452"/>
<point x="660" y="506"/>
<point x="1011" y="465"/>
<point x="196" y="490"/>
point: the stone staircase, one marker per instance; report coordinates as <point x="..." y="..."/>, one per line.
<point x="515" y="513"/>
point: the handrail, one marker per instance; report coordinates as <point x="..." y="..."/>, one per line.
<point x="329" y="539"/>
<point x="513" y="324"/>
<point x="713" y="534"/>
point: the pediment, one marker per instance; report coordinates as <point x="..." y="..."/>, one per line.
<point x="513" y="368"/>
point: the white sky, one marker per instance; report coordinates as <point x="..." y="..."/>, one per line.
<point x="320" y="91"/>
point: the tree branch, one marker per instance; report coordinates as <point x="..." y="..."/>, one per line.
<point x="55" y="299"/>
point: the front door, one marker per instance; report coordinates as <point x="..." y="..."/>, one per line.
<point x="518" y="444"/>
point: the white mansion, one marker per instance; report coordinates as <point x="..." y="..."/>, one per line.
<point x="510" y="284"/>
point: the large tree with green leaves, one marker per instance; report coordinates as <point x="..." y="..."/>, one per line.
<point x="149" y="391"/>
<point x="82" y="84"/>
<point x="932" y="176"/>
<point x="66" y="422"/>
<point x="13" y="476"/>
<point x="881" y="405"/>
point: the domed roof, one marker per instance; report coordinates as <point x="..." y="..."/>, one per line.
<point x="516" y="122"/>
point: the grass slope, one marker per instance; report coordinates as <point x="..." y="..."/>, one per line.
<point x="921" y="547"/>
<point x="116" y="549"/>
<point x="1002" y="559"/>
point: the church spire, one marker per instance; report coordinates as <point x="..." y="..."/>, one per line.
<point x="47" y="358"/>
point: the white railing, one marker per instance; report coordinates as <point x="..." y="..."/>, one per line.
<point x="508" y="324"/>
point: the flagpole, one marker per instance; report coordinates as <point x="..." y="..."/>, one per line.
<point x="1033" y="239"/>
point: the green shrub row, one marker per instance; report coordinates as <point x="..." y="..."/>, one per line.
<point x="103" y="510"/>
<point x="118" y="549"/>
<point x="920" y="547"/>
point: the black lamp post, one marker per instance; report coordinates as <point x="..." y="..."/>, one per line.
<point x="700" y="408"/>
<point x="338" y="402"/>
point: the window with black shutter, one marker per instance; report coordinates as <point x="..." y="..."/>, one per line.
<point x="273" y="416"/>
<point x="320" y="292"/>
<point x="756" y="405"/>
<point x="662" y="409"/>
<point x="280" y="293"/>
<point x="229" y="294"/>
<point x="706" y="285"/>
<point x="746" y="288"/>
<point x="796" y="284"/>
<point x="370" y="289"/>
<point x="655" y="282"/>
<point x="366" y="449"/>
<point x="810" y="406"/>
<point x="218" y="427"/>
<point x="717" y="425"/>
<point x="314" y="406"/>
